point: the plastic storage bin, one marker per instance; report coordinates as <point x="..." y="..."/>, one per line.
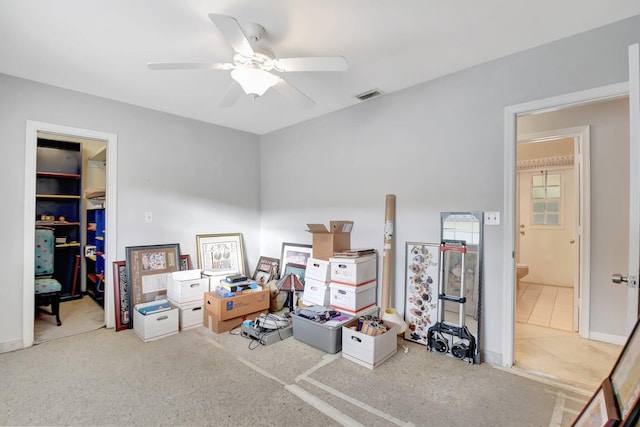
<point x="320" y="335"/>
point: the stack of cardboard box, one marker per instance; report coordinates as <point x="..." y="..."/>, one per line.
<point x="222" y="314"/>
<point x="316" y="282"/>
<point x="354" y="283"/>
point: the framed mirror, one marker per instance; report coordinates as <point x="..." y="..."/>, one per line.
<point x="462" y="236"/>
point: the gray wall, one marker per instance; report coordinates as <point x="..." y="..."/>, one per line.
<point x="437" y="147"/>
<point x="183" y="171"/>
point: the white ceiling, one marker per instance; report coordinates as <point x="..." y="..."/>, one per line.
<point x="101" y="47"/>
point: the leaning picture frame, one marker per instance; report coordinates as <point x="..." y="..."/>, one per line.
<point x="298" y="270"/>
<point x="266" y="270"/>
<point x="148" y="268"/>
<point x="221" y="255"/>
<point x="422" y="264"/>
<point x="295" y="253"/>
<point x="625" y="376"/>
<point x="121" y="296"/>
<point x="601" y="410"/>
<point x="185" y="262"/>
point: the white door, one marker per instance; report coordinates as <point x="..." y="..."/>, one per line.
<point x="634" y="186"/>
<point x="546" y="230"/>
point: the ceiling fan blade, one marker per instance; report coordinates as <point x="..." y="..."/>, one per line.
<point x="293" y="94"/>
<point x="310" y="63"/>
<point x="231" y="29"/>
<point x="187" y="66"/>
<point x="234" y="91"/>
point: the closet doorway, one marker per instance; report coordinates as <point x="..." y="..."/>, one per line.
<point x="90" y="305"/>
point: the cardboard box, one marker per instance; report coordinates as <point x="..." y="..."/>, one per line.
<point x="316" y="292"/>
<point x="236" y="306"/>
<point x="366" y="350"/>
<point x="191" y="315"/>
<point x="352" y="299"/>
<point x="187" y="287"/>
<point x="318" y="269"/>
<point x="327" y="241"/>
<point x="156" y="325"/>
<point x="219" y="326"/>
<point x="325" y="336"/>
<point x="353" y="271"/>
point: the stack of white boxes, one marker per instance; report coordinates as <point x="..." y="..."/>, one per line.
<point x="186" y="290"/>
<point x="316" y="282"/>
<point x="353" y="286"/>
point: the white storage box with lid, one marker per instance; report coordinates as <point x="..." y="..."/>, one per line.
<point x="352" y="299"/>
<point x="366" y="350"/>
<point x="318" y="269"/>
<point x="353" y="271"/>
<point x="315" y="292"/>
<point x="191" y="315"/>
<point x="187" y="287"/>
<point x="157" y="325"/>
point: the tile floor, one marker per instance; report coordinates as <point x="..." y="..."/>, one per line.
<point x="548" y="306"/>
<point x="545" y="345"/>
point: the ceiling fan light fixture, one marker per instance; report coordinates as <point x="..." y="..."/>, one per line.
<point x="254" y="81"/>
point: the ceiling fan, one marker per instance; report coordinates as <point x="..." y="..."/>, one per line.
<point x="253" y="64"/>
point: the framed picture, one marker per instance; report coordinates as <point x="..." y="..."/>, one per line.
<point x="221" y="254"/>
<point x="148" y="268"/>
<point x="601" y="410"/>
<point x="121" y="296"/>
<point x="266" y="270"/>
<point x="185" y="262"/>
<point x="625" y="375"/>
<point x="295" y="253"/>
<point x="296" y="269"/>
<point x="421" y="283"/>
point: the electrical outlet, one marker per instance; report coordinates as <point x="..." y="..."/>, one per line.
<point x="492" y="218"/>
<point x="148" y="217"/>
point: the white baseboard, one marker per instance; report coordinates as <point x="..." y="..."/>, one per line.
<point x="491" y="358"/>
<point x="8" y="346"/>
<point x="608" y="338"/>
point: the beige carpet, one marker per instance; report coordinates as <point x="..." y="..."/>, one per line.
<point x="77" y="317"/>
<point x="198" y="378"/>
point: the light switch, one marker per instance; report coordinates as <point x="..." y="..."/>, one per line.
<point x="148" y="217"/>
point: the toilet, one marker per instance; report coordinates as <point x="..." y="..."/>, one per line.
<point x="521" y="271"/>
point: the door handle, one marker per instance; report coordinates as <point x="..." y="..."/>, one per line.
<point x="572" y="241"/>
<point x="619" y="278"/>
<point x="631" y="281"/>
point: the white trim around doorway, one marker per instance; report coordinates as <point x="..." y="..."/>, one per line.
<point x="32" y="129"/>
<point x="510" y="140"/>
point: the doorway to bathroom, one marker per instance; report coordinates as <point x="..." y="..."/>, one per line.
<point x="547" y="214"/>
<point x="564" y="228"/>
